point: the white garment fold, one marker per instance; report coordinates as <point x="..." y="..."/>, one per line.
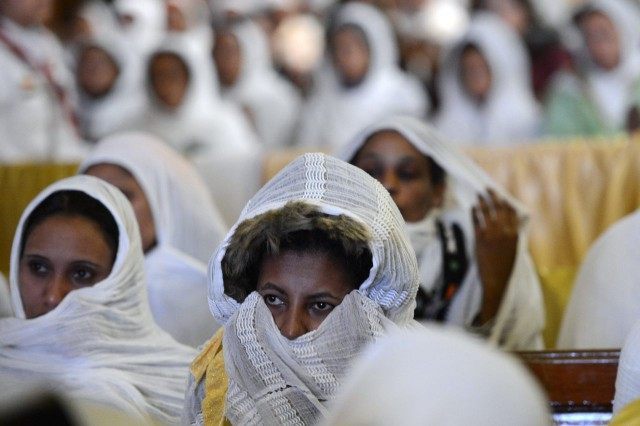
<point x="100" y="344"/>
<point x="438" y="376"/>
<point x="5" y="299"/>
<point x="628" y="378"/>
<point x="335" y="114"/>
<point x="188" y="229"/>
<point x="520" y="318"/>
<point x="510" y="113"/>
<point x="604" y="306"/>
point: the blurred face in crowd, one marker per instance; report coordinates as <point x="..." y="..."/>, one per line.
<point x="602" y="39"/>
<point x="227" y="57"/>
<point x="176" y="20"/>
<point x="513" y="12"/>
<point x="27" y="12"/>
<point x="351" y="56"/>
<point x="97" y="72"/>
<point x="61" y="254"/>
<point x="404" y="171"/>
<point x="301" y="289"/>
<point x="475" y="74"/>
<point x="129" y="186"/>
<point x="169" y="77"/>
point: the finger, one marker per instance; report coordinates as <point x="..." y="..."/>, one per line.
<point x="487" y="207"/>
<point x="478" y="220"/>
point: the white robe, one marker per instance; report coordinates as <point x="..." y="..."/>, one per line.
<point x="100" y="344"/>
<point x="604" y="305"/>
<point x="33" y="124"/>
<point x="520" y="318"/>
<point x="437" y="376"/>
<point x="510" y="113"/>
<point x="628" y="377"/>
<point x="5" y="303"/>
<point x="148" y="25"/>
<point x="273" y="102"/>
<point x="188" y="229"/>
<point x="335" y="114"/>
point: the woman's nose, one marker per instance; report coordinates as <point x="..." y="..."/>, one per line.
<point x="390" y="182"/>
<point x="57" y="289"/>
<point x="293" y="324"/>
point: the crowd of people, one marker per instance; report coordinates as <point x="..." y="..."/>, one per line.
<point x="164" y="285"/>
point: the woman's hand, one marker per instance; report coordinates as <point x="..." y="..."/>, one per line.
<point x="496" y="231"/>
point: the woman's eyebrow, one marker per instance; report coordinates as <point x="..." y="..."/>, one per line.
<point x="270" y="286"/>
<point x="322" y="295"/>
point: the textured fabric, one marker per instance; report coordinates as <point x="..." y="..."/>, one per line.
<point x="434" y="376"/>
<point x="509" y="113"/>
<point x="520" y="318"/>
<point x="628" y="378"/>
<point x="203" y="124"/>
<point x="125" y="102"/>
<point x="335" y="114"/>
<point x="5" y="299"/>
<point x="603" y="307"/>
<point x="100" y="343"/>
<point x="271" y="100"/>
<point x="275" y="380"/>
<point x="188" y="228"/>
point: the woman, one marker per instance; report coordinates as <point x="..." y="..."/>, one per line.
<point x="603" y="307"/>
<point x="184" y="107"/>
<point x="419" y="377"/>
<point x="316" y="267"/>
<point x="82" y="319"/>
<point x="109" y="80"/>
<point x="180" y="227"/>
<point x="485" y="87"/>
<point x="362" y="84"/>
<point x="603" y="96"/>
<point x="475" y="267"/>
<point x="243" y="59"/>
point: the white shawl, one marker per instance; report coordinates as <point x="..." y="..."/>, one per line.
<point x="604" y="305"/>
<point x="510" y="113"/>
<point x="100" y="343"/>
<point x="273" y="102"/>
<point x="122" y="107"/>
<point x="203" y="125"/>
<point x="334" y="114"/>
<point x="5" y="302"/>
<point x="435" y="376"/>
<point x="272" y="378"/>
<point x="628" y="378"/>
<point x="148" y="26"/>
<point x="188" y="229"/>
<point x="520" y="318"/>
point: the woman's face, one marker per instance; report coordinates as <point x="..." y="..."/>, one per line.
<point x="602" y="40"/>
<point x="475" y="74"/>
<point x="129" y="186"/>
<point x="227" y="57"/>
<point x="97" y="72"/>
<point x="169" y="79"/>
<point x="351" y="56"/>
<point x="61" y="254"/>
<point x="301" y="289"/>
<point x="27" y="12"/>
<point x="404" y="171"/>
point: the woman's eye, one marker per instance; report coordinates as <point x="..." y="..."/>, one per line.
<point x="38" y="268"/>
<point x="323" y="306"/>
<point x="272" y="300"/>
<point x="408" y="174"/>
<point x="83" y="275"/>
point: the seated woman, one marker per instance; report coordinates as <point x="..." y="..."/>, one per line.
<point x="603" y="306"/>
<point x="361" y="84"/>
<point x="317" y="266"/>
<point x="82" y="321"/>
<point x="603" y="95"/>
<point x="179" y="225"/>
<point x="485" y="87"/>
<point x="110" y="85"/>
<point x="471" y="245"/>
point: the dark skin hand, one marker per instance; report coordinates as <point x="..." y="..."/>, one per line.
<point x="496" y="231"/>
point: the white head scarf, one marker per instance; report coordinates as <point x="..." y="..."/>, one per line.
<point x="273" y="102"/>
<point x="435" y="376"/>
<point x="100" y="343"/>
<point x="604" y="306"/>
<point x="335" y="114"/>
<point x="510" y="113"/>
<point x="296" y="377"/>
<point x="520" y="318"/>
<point x="628" y="378"/>
<point x="149" y="22"/>
<point x="613" y="91"/>
<point x="123" y="106"/>
<point x="203" y="124"/>
<point x="5" y="303"/>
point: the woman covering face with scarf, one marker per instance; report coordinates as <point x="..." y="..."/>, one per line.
<point x="469" y="235"/>
<point x="82" y="320"/>
<point x="317" y="266"/>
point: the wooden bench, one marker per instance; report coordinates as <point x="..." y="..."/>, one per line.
<point x="580" y="384"/>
